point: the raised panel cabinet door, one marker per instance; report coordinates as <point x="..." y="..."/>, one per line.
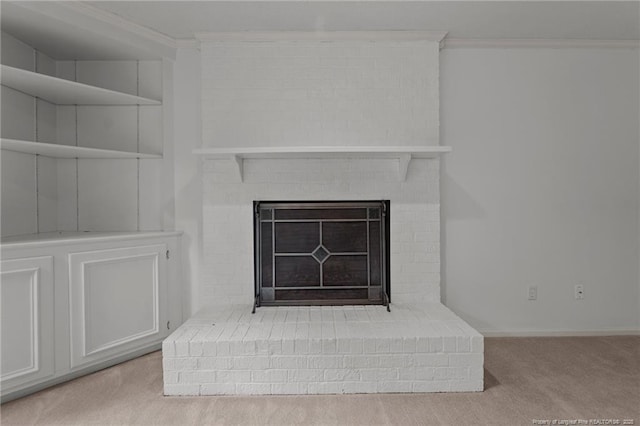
<point x="26" y="321"/>
<point x="118" y="301"/>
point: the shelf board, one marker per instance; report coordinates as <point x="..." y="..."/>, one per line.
<point x="403" y="154"/>
<point x="69" y="151"/>
<point x="64" y="238"/>
<point x="65" y="92"/>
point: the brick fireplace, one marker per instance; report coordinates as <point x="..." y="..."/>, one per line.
<point x="288" y="102"/>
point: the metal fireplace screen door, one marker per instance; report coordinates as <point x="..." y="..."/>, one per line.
<point x="316" y="253"/>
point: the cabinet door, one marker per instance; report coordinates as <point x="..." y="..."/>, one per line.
<point x="118" y="299"/>
<point x="26" y="290"/>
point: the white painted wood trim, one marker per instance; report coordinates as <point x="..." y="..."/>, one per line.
<point x="435" y="36"/>
<point x="41" y="281"/>
<point x="403" y="155"/>
<point x="59" y="239"/>
<point x="81" y="354"/>
<point x="416" y="151"/>
<point x="65" y="92"/>
<point x="453" y="43"/>
<point x="107" y="24"/>
<point x="69" y="151"/>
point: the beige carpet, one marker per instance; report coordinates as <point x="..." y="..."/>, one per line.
<point x="526" y="379"/>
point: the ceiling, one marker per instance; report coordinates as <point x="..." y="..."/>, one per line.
<point x="462" y="19"/>
<point x="103" y="30"/>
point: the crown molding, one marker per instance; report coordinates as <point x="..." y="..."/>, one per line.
<point x="436" y="36"/>
<point x="106" y="24"/>
<point x="454" y="43"/>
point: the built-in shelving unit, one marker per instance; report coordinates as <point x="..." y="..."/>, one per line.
<point x="69" y="151"/>
<point x="65" y="92"/>
<point x="402" y="154"/>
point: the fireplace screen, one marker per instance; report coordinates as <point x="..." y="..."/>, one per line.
<point x="318" y="253"/>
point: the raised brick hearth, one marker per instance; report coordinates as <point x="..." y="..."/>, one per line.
<point x="323" y="350"/>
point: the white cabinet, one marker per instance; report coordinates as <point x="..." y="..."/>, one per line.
<point x="75" y="303"/>
<point x="117" y="300"/>
<point x="26" y="290"/>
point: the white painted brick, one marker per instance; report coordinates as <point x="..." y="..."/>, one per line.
<point x="344" y="346"/>
<point x="359" y="387"/>
<point x="422" y="344"/>
<point x="319" y="388"/>
<point x="195" y="349"/>
<point x="214" y="363"/>
<point x="170" y="377"/>
<point x="288" y="362"/>
<point x="416" y="361"/>
<point x="357" y="346"/>
<point x="340" y="374"/>
<point x="463" y="344"/>
<point x="197" y="377"/>
<point x="233" y="376"/>
<point x="383" y="345"/>
<point x="286" y="389"/>
<point x="315" y="346"/>
<point x="301" y="346"/>
<point x="369" y="346"/>
<point x="466" y="386"/>
<point x="396" y="345"/>
<point x="431" y="386"/>
<point x="476" y="373"/>
<point x="223" y="349"/>
<point x="306" y="375"/>
<point x="449" y="344"/>
<point x="395" y="387"/>
<point x="435" y="344"/>
<point x="218" y="389"/>
<point x="182" y="349"/>
<point x="409" y="345"/>
<point x="181" y="390"/>
<point x="325" y="361"/>
<point x="477" y="344"/>
<point x="269" y="376"/>
<point x="429" y="360"/>
<point x="424" y="373"/>
<point x="379" y="374"/>
<point x="395" y="360"/>
<point x="449" y="373"/>
<point x="253" y="388"/>
<point x="466" y="359"/>
<point x="361" y="361"/>
<point x="179" y="364"/>
<point x="168" y="349"/>
<point x="250" y="362"/>
<point x="329" y="346"/>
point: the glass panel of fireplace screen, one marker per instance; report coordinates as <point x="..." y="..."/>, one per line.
<point x="312" y="253"/>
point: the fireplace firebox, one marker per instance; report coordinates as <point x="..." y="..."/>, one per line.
<point x="321" y="253"/>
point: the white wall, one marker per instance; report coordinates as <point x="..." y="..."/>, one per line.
<point x="542" y="188"/>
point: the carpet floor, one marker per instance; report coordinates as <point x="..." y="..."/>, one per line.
<point x="527" y="381"/>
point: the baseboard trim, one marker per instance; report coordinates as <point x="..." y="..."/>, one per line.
<point x="559" y="333"/>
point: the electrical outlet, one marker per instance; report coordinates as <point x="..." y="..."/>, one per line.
<point x="579" y="292"/>
<point x="533" y="292"/>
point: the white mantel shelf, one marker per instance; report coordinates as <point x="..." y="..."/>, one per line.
<point x="402" y="154"/>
